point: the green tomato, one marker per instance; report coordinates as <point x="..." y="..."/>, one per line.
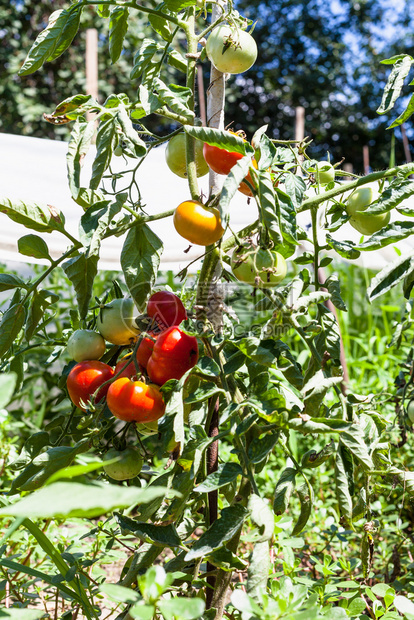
<point x="116" y="321"/>
<point x="85" y="344"/>
<point x="262" y="268"/>
<point x="230" y="49"/>
<point x="410" y="411"/>
<point x="357" y="203"/>
<point x="175" y="155"/>
<point x="128" y="465"/>
<point x="325" y="173"/>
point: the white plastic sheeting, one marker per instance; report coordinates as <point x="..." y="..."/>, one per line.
<point x="34" y="170"/>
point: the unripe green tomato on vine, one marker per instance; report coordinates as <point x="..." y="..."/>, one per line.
<point x="116" y="321"/>
<point x="325" y="172"/>
<point x="230" y="49"/>
<point x="85" y="344"/>
<point x="175" y="156"/>
<point x="410" y="411"/>
<point x="128" y="466"/>
<point x="262" y="268"/>
<point x="357" y="203"/>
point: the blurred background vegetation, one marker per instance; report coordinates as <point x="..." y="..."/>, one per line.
<point x="322" y="55"/>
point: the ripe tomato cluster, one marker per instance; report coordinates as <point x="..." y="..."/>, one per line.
<point x="132" y="389"/>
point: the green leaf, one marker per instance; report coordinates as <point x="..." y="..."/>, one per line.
<point x="9" y="281"/>
<point x="306" y="498"/>
<point x="346" y="249"/>
<point x="118" y="26"/>
<point x="260" y="448"/>
<point x="225" y="559"/>
<point x="283" y="490"/>
<point x="33" y="245"/>
<point x="178" y="5"/>
<point x="80" y="141"/>
<point x="354" y="441"/>
<point x="141" y="611"/>
<point x="259" y="568"/>
<point x="129" y="134"/>
<point x="177" y="60"/>
<point x="221" y="139"/>
<point x="31" y="215"/>
<point x="41" y="300"/>
<point x="390" y="276"/>
<point x="343" y="478"/>
<point x="81" y="271"/>
<point x="119" y="594"/>
<point x="54" y="39"/>
<point x="287" y="217"/>
<point x="268" y="206"/>
<point x="160" y="535"/>
<point x="95" y="223"/>
<point x="161" y="25"/>
<point x="295" y="187"/>
<point x="8" y="382"/>
<point x="230" y="187"/>
<point x="140" y="259"/>
<point x="315" y="389"/>
<point x="409" y="110"/>
<point x="78" y="104"/>
<point x="395" y="83"/>
<point x="225" y="474"/>
<point x="389" y="234"/>
<point x="182" y="608"/>
<point x="220" y="532"/>
<point x="143" y="57"/>
<point x="333" y="286"/>
<point x="73" y="499"/>
<point x="10" y="326"/>
<point x="104" y="143"/>
<point x="392" y="196"/>
<point x="318" y="425"/>
<point x="175" y="97"/>
<point x="75" y="471"/>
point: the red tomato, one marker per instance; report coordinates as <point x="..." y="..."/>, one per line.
<point x="85" y="378"/>
<point x="135" y="401"/>
<point x="145" y="349"/>
<point x="174" y="353"/>
<point x="127" y="366"/>
<point x="220" y="160"/>
<point x="166" y="308"/>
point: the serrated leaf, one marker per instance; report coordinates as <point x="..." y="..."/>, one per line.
<point x="392" y="196"/>
<point x="389" y="234"/>
<point x="175" y="97"/>
<point x="268" y="206"/>
<point x="104" y="143"/>
<point x="10" y="326"/>
<point x="95" y="222"/>
<point x="390" y="276"/>
<point x="81" y="271"/>
<point x="354" y="441"/>
<point x="42" y="218"/>
<point x="230" y="187"/>
<point x="395" y="83"/>
<point x="260" y="448"/>
<point x="225" y="474"/>
<point x="161" y="25"/>
<point x="346" y="249"/>
<point x="295" y="187"/>
<point x="409" y="110"/>
<point x="318" y="425"/>
<point x="284" y="487"/>
<point x="68" y="32"/>
<point x="118" y="27"/>
<point x="80" y="141"/>
<point x="315" y="389"/>
<point x="287" y="216"/>
<point x="46" y="42"/>
<point x="72" y="499"/>
<point x="79" y="104"/>
<point x="33" y="245"/>
<point x="129" y="133"/>
<point x="216" y="137"/>
<point x="143" y="57"/>
<point x="140" y="259"/>
<point x="333" y="286"/>
<point x="160" y="535"/>
<point x="220" y="532"/>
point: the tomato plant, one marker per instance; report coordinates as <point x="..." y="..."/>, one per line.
<point x="85" y="344"/>
<point x="135" y="401"/>
<point x="127" y="466"/>
<point x="259" y="267"/>
<point x="357" y="203"/>
<point x="222" y="161"/>
<point x="174" y="353"/>
<point x="175" y="156"/>
<point x="166" y="309"/>
<point x="197" y="223"/>
<point x="84" y="380"/>
<point x="231" y="50"/>
<point x="116" y="321"/>
<point x="410" y="411"/>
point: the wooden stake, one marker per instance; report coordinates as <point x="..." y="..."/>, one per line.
<point x="91" y="65"/>
<point x="300" y="131"/>
<point x="406" y="145"/>
<point x="201" y="95"/>
<point x="365" y="156"/>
